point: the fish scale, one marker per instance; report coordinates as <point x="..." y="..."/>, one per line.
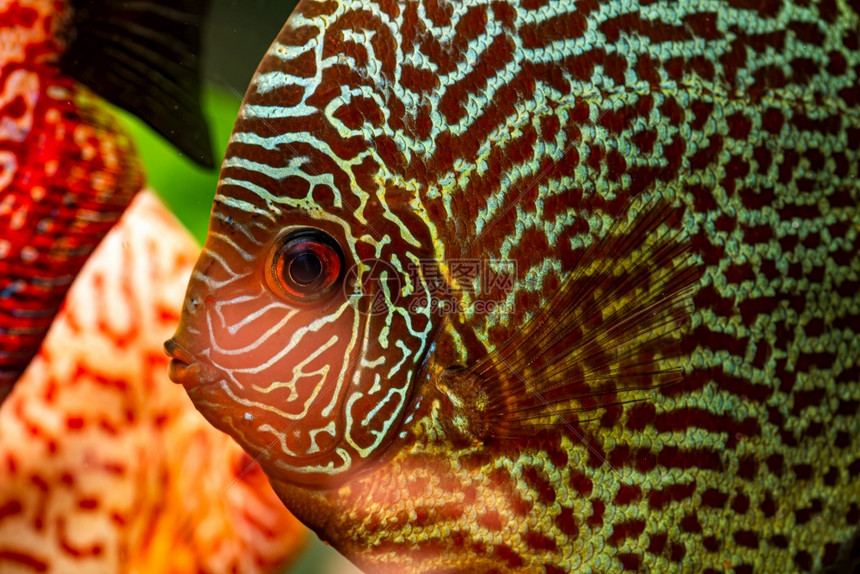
<point x="540" y="132"/>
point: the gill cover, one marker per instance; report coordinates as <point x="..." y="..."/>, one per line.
<point x="311" y="352"/>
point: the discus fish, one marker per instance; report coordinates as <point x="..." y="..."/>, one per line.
<point x="545" y="285"/>
<point x="105" y="467"/>
<point x="67" y="169"/>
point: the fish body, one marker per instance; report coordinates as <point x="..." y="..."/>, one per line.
<point x="654" y="366"/>
<point x="69" y="169"/>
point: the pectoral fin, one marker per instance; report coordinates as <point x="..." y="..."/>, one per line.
<point x="610" y="335"/>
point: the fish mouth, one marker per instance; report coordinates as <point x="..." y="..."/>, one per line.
<point x="184" y="368"/>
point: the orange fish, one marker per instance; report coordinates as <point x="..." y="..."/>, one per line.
<point x="105" y="466"/>
<point x="67" y="169"/>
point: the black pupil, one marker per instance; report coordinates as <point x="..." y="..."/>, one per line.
<point x="305" y="268"/>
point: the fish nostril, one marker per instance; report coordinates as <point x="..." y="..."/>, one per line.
<point x="194" y="303"/>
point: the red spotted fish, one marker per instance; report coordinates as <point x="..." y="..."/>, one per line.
<point x="67" y="169"/>
<point x="545" y="285"/>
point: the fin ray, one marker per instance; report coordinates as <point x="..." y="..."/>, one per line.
<point x="157" y="42"/>
<point x="608" y="336"/>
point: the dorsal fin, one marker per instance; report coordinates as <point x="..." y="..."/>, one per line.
<point x="145" y="58"/>
<point x="609" y="335"/>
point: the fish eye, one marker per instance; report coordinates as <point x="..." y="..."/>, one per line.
<point x="306" y="265"/>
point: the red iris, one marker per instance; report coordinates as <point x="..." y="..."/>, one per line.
<point x="306" y="265"/>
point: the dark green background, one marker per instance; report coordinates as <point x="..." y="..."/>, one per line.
<point x="237" y="34"/>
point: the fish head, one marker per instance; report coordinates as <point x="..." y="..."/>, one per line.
<point x="303" y="328"/>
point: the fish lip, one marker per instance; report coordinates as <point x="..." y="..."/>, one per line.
<point x="177" y="352"/>
<point x="184" y="368"/>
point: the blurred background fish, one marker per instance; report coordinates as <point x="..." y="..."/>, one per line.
<point x="68" y="167"/>
<point x="105" y="466"/>
<point x="545" y="285"/>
